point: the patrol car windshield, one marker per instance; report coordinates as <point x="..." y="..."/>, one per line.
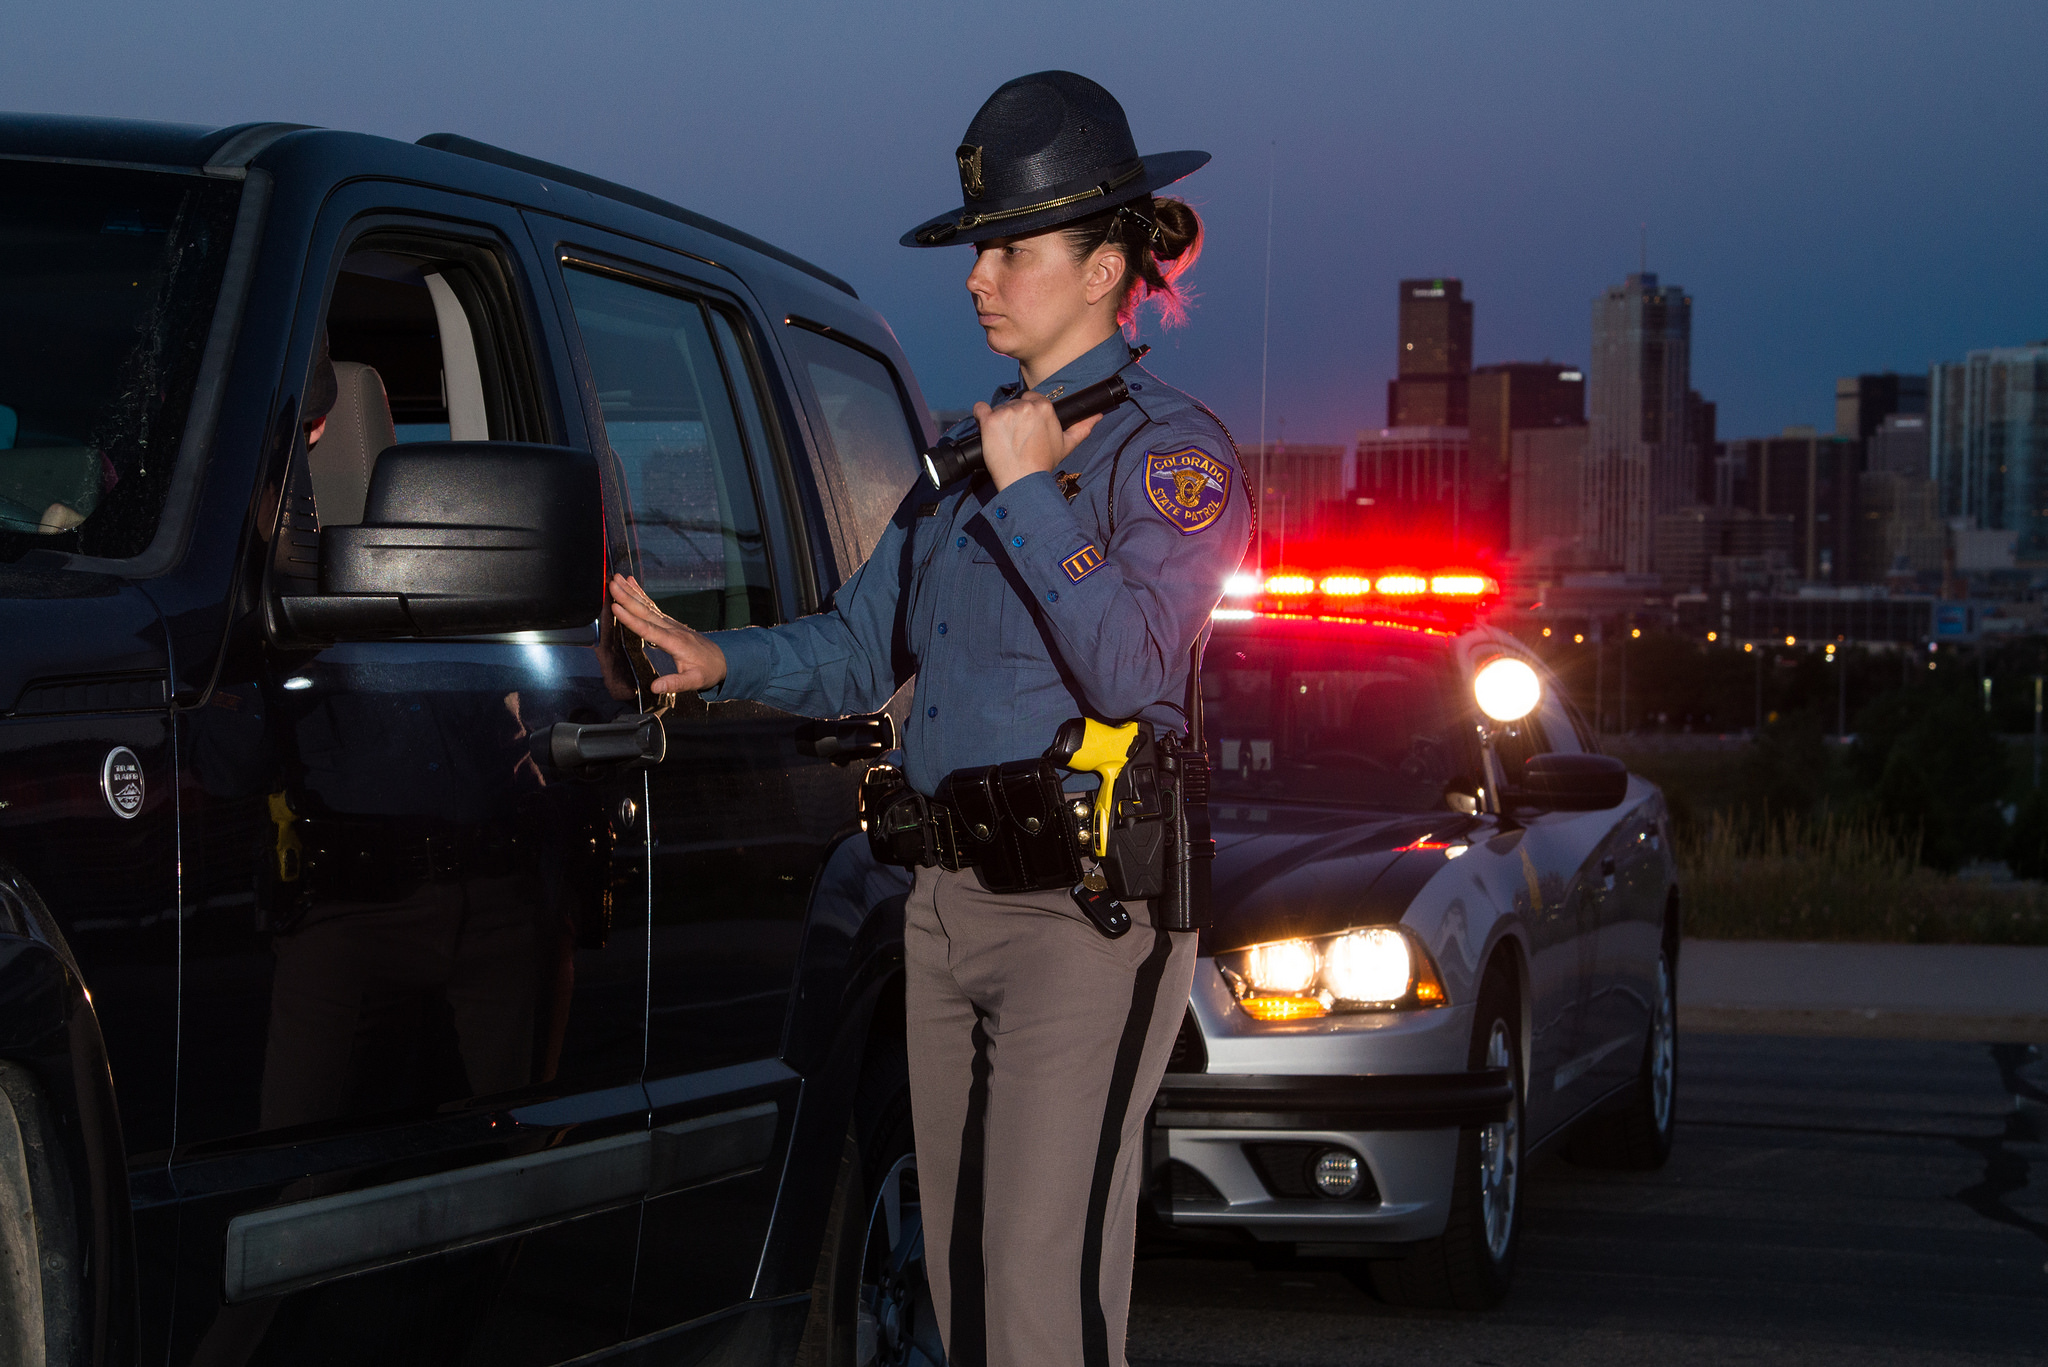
<point x="1343" y="714"/>
<point x="107" y="283"/>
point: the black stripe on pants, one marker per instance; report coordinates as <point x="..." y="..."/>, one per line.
<point x="968" y="1339"/>
<point x="1130" y="1050"/>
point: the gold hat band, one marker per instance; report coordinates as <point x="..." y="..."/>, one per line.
<point x="939" y="232"/>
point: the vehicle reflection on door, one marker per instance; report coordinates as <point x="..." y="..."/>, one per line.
<point x="438" y="949"/>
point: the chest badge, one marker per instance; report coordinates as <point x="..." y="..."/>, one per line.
<point x="1070" y="484"/>
<point x="1188" y="486"/>
<point x="121" y="782"/>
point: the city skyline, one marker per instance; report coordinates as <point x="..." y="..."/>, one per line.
<point x="1830" y="191"/>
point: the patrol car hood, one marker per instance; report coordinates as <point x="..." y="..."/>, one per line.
<point x="1284" y="870"/>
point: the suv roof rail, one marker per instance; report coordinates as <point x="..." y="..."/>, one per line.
<point x="241" y="144"/>
<point x="640" y="199"/>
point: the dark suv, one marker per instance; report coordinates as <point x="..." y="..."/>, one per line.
<point x="367" y="990"/>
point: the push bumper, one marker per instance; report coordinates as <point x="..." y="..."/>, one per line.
<point x="1391" y="1101"/>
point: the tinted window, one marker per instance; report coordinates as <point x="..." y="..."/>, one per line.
<point x="107" y="284"/>
<point x="1358" y="716"/>
<point x="877" y="446"/>
<point x="1558" y="732"/>
<point x="670" y="419"/>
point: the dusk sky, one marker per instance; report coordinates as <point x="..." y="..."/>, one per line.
<point x="1841" y="187"/>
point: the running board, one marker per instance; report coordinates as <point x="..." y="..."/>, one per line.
<point x="290" y="1247"/>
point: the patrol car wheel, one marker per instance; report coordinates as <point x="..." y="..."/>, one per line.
<point x="1468" y="1266"/>
<point x="41" y="1295"/>
<point x="1637" y="1136"/>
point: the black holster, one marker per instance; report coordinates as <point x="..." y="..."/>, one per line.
<point x="1159" y="842"/>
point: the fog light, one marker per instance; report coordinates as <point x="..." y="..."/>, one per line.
<point x="1336" y="1173"/>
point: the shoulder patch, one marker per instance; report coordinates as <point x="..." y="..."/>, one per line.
<point x="1188" y="486"/>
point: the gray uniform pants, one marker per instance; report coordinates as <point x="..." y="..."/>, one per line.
<point x="1036" y="1046"/>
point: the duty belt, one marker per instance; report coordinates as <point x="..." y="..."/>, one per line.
<point x="1011" y="823"/>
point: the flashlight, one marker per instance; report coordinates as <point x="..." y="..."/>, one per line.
<point x="951" y="457"/>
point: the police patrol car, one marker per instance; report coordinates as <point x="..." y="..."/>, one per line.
<point x="1446" y="936"/>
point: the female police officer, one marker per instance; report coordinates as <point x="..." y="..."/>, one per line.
<point x="1069" y="580"/>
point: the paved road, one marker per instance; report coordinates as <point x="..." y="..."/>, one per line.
<point x="1830" y="1202"/>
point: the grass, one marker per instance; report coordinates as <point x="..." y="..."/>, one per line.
<point x="1789" y="878"/>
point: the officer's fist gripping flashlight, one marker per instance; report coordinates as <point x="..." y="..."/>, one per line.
<point x="953" y="457"/>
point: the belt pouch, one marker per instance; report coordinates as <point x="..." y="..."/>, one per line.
<point x="1012" y="817"/>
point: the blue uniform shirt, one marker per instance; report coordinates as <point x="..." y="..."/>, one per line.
<point x="1020" y="609"/>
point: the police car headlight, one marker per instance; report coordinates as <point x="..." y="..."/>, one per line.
<point x="1286" y="967"/>
<point x="1368" y="966"/>
<point x="1379" y="968"/>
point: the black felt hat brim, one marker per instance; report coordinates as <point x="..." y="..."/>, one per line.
<point x="1161" y="170"/>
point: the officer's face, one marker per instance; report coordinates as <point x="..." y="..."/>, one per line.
<point x="1031" y="297"/>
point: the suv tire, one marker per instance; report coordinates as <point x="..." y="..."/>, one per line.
<point x="871" y="1305"/>
<point x="1469" y="1265"/>
<point x="41" y="1290"/>
<point x="1637" y="1133"/>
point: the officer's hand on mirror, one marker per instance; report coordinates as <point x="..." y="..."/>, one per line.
<point x="1023" y="437"/>
<point x="699" y="663"/>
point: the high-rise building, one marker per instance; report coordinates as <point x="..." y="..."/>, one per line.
<point x="1701" y="548"/>
<point x="1862" y="402"/>
<point x="1899" y="446"/>
<point x="1515" y="397"/>
<point x="1988" y="417"/>
<point x="1300" y="481"/>
<point x="1898" y="533"/>
<point x="1814" y="479"/>
<point x="1640" y="460"/>
<point x="1410" y="482"/>
<point x="1546" y="466"/>
<point x="1434" y="362"/>
<point x="1701" y="418"/>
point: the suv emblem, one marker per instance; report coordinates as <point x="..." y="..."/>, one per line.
<point x="121" y="782"/>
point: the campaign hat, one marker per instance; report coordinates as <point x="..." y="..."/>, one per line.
<point x="1046" y="149"/>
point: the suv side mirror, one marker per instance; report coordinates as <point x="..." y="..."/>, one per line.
<point x="1571" y="783"/>
<point x="463" y="538"/>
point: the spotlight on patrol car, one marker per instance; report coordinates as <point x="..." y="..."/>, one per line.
<point x="1507" y="689"/>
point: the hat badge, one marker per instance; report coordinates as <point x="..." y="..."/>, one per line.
<point x="969" y="157"/>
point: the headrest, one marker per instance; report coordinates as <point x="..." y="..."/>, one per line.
<point x="358" y="431"/>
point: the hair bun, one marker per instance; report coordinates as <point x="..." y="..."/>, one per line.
<point x="1180" y="227"/>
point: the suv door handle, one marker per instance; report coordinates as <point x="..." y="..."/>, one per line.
<point x="846" y="739"/>
<point x="1607" y="874"/>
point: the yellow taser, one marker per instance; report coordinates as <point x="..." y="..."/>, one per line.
<point x="1087" y="746"/>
